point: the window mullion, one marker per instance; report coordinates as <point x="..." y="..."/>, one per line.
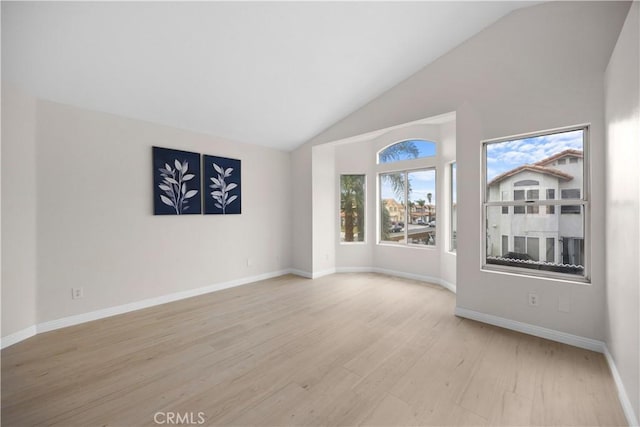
<point x="406" y="207"/>
<point x="555" y="202"/>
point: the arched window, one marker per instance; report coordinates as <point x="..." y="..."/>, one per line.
<point x="407" y="150"/>
<point x="407" y="197"/>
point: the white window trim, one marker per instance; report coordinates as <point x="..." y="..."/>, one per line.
<point x="451" y="249"/>
<point x="405" y="172"/>
<point x="585" y="201"/>
<point x="366" y="199"/>
<point x="406" y="166"/>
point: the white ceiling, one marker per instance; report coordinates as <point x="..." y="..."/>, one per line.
<point x="273" y="74"/>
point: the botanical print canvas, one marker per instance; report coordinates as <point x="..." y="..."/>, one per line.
<point x="222" y="189"/>
<point x="176" y="182"/>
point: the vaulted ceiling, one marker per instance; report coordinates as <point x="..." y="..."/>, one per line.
<point x="268" y="73"/>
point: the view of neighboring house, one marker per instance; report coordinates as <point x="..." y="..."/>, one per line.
<point x="395" y="209"/>
<point x="421" y="214"/>
<point x="554" y="233"/>
<point x="417" y="214"/>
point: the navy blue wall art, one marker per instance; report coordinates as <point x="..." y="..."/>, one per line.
<point x="222" y="185"/>
<point x="176" y="182"/>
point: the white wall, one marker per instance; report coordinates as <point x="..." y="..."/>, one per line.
<point x="623" y="206"/>
<point x="302" y="211"/>
<point x="357" y="159"/>
<point x="95" y="226"/>
<point x="509" y="79"/>
<point x="19" y="205"/>
<point x="420" y="261"/>
<point x="448" y="259"/>
<point x="324" y="210"/>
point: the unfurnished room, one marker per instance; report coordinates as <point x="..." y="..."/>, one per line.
<point x="370" y="213"/>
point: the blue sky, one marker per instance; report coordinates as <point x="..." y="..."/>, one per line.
<point x="425" y="149"/>
<point x="422" y="182"/>
<point x="504" y="156"/>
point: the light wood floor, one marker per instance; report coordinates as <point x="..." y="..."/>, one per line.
<point x="350" y="349"/>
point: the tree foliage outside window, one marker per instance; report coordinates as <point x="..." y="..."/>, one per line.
<point x="352" y="207"/>
<point x="407" y="197"/>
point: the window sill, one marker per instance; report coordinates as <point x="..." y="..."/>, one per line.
<point x="410" y="246"/>
<point x="530" y="274"/>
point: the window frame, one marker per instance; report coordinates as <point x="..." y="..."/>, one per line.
<point x="405" y="173"/>
<point x="365" y="217"/>
<point x="453" y="223"/>
<point x="584" y="202"/>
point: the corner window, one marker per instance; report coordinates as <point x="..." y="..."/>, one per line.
<point x="352" y="207"/>
<point x="525" y="234"/>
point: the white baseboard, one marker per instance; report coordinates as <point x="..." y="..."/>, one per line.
<point x="538" y="331"/>
<point x="16" y="337"/>
<point x="318" y="274"/>
<point x="448" y="285"/>
<point x="629" y="413"/>
<point x="565" y="338"/>
<point x="354" y="270"/>
<point x="420" y="277"/>
<point x="137" y="305"/>
<point x="301" y="273"/>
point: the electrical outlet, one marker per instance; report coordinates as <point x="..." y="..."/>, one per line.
<point x="77" y="293"/>
<point x="533" y="300"/>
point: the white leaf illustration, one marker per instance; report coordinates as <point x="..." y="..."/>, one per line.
<point x="167" y="201"/>
<point x="184" y="188"/>
<point x="190" y="194"/>
<point x="178" y="165"/>
<point x="168" y="168"/>
<point x="222" y="188"/>
<point x="164" y="187"/>
<point x="188" y="177"/>
<point x="185" y="166"/>
<point x="171" y="180"/>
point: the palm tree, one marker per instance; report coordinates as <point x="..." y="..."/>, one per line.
<point x="352" y="205"/>
<point x="385" y="222"/>
<point x="429" y="196"/>
<point x="421" y="203"/>
<point x="396" y="152"/>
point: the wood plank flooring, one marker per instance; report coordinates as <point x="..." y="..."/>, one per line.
<point x="347" y="349"/>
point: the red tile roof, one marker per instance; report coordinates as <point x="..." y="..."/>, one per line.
<point x="532" y="168"/>
<point x="565" y="153"/>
